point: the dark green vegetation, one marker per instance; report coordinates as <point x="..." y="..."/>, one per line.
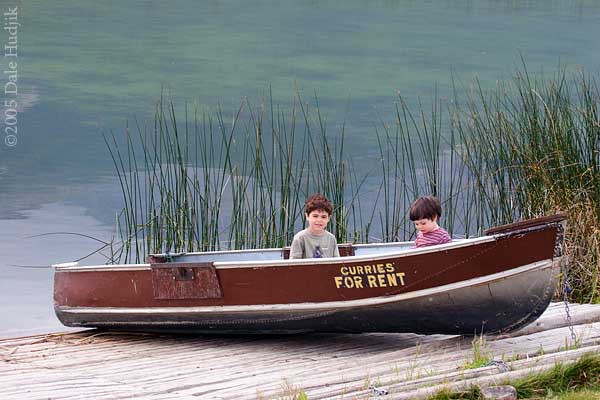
<point x="582" y="375"/>
<point x="533" y="147"/>
<point x="529" y="147"/>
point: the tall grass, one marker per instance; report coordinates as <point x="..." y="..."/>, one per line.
<point x="532" y="147"/>
<point x="528" y="147"/>
<point x="214" y="183"/>
<point x="416" y="159"/>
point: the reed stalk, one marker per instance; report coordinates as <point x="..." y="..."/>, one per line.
<point x="528" y="147"/>
<point x="532" y="146"/>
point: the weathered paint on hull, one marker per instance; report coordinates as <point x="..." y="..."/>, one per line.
<point x="506" y="302"/>
<point x="496" y="284"/>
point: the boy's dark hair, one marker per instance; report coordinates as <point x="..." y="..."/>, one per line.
<point x="318" y="202"/>
<point x="427" y="207"/>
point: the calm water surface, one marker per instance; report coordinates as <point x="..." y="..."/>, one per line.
<point x="86" y="68"/>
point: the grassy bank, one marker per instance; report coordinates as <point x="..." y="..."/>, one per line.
<point x="201" y="180"/>
<point x="564" y="381"/>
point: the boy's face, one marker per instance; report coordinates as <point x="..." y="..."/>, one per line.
<point x="317" y="221"/>
<point x="426" y="225"/>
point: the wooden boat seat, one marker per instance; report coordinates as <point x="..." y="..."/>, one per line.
<point x="345" y="249"/>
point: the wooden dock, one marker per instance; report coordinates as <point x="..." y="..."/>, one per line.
<point x="102" y="365"/>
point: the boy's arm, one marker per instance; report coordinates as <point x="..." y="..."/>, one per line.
<point x="336" y="250"/>
<point x="297" y="250"/>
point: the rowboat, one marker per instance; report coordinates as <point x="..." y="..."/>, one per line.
<point x="494" y="283"/>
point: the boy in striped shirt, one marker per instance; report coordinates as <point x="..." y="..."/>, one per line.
<point x="425" y="212"/>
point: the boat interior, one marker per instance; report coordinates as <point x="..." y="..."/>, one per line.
<point x="346" y="250"/>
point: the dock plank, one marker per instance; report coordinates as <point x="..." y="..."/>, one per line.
<point x="103" y="365"/>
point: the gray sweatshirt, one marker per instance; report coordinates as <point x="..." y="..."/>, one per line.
<point x="309" y="245"/>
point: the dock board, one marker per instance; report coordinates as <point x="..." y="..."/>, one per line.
<point x="103" y="365"/>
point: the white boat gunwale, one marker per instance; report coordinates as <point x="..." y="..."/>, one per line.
<point x="222" y="265"/>
<point x="321" y="306"/>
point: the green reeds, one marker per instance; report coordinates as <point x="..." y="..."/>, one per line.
<point x="417" y="159"/>
<point x="532" y="147"/>
<point x="528" y="147"/>
<point x="213" y="183"/>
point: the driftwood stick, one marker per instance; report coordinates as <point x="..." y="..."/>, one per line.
<point x="578" y="317"/>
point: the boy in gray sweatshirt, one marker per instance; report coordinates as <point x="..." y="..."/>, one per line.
<point x="315" y="241"/>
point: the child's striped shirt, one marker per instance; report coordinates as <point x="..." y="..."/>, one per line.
<point x="437" y="236"/>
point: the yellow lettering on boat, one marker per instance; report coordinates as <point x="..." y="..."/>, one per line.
<point x="401" y="277"/>
<point x="358" y="282"/>
<point x="391" y="280"/>
<point x="338" y="281"/>
<point x="372" y="280"/>
<point x="349" y="282"/>
<point x="369" y="276"/>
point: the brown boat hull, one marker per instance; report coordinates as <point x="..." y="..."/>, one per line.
<point x="505" y="302"/>
<point x="495" y="284"/>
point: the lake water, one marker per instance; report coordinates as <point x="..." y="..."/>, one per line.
<point x="86" y="68"/>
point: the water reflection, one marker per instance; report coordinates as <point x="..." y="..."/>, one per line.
<point x="87" y="68"/>
<point x="26" y="276"/>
